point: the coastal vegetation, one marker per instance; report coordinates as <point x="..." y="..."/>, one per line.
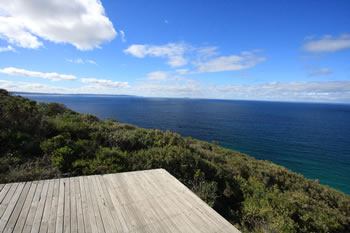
<point x="47" y="140"/>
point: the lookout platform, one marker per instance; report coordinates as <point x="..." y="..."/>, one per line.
<point x="151" y="201"/>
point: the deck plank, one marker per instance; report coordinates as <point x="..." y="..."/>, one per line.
<point x="114" y="192"/>
<point x="100" y="201"/>
<point x="31" y="214"/>
<point x="87" y="222"/>
<point x="60" y="207"/>
<point x="113" y="213"/>
<point x="7" y="198"/>
<point x="96" y="210"/>
<point x="90" y="206"/>
<point x="47" y="210"/>
<point x="67" y="207"/>
<point x="40" y="208"/>
<point x="78" y="197"/>
<point x="25" y="210"/>
<point x="54" y="206"/>
<point x="151" y="201"/>
<point x="17" y="211"/>
<point x="7" y="214"/>
<point x="4" y="191"/>
<point x="73" y="210"/>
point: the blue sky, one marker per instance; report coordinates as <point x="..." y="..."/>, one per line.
<point x="255" y="50"/>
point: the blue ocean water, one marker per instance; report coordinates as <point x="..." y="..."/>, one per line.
<point x="311" y="139"/>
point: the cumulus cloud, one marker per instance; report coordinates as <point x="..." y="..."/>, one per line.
<point x="34" y="74"/>
<point x="82" y="23"/>
<point x="9" y="48"/>
<point x="323" y="71"/>
<point x="172" y="51"/>
<point x="328" y="44"/>
<point x="157" y="76"/>
<point x="98" y="83"/>
<point x="205" y="59"/>
<point x="229" y="63"/>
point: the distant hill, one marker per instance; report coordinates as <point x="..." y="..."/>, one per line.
<point x="41" y="140"/>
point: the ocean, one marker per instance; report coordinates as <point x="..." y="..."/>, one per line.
<point x="309" y="138"/>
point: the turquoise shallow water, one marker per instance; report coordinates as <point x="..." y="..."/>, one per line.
<point x="311" y="139"/>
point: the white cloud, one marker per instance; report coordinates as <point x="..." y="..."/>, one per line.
<point x="182" y="71"/>
<point x="323" y="71"/>
<point x="81" y="61"/>
<point x="229" y="63"/>
<point x="9" y="48"/>
<point x="91" y="62"/>
<point x="31" y="87"/>
<point x="203" y="58"/>
<point x="335" y="91"/>
<point x="77" y="60"/>
<point x="14" y="31"/>
<point x="328" y="44"/>
<point x="172" y="51"/>
<point x="206" y="52"/>
<point x="43" y="88"/>
<point x="35" y="74"/>
<point x="81" y="23"/>
<point x="102" y="83"/>
<point x="122" y="36"/>
<point x="157" y="76"/>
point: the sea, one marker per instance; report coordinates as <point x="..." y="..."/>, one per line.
<point x="308" y="138"/>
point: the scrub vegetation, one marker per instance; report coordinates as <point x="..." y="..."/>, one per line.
<point x="47" y="140"/>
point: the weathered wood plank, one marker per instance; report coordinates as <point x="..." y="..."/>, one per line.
<point x="84" y="200"/>
<point x="25" y="210"/>
<point x="6" y="216"/>
<point x="30" y="218"/>
<point x="114" y="193"/>
<point x="96" y="210"/>
<point x="73" y="210"/>
<point x="4" y="191"/>
<point x="108" y="221"/>
<point x="112" y="211"/>
<point x="60" y="207"/>
<point x="1" y="186"/>
<point x="17" y="211"/>
<point x="67" y="207"/>
<point x="40" y="208"/>
<point x="101" y="205"/>
<point x="7" y="198"/>
<point x="135" y="202"/>
<point x="78" y="197"/>
<point x="90" y="206"/>
<point x="47" y="210"/>
<point x="54" y="206"/>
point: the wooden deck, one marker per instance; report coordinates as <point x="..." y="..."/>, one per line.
<point x="144" y="201"/>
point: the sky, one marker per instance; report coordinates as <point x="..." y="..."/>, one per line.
<point x="249" y="50"/>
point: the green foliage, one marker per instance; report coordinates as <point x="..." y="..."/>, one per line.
<point x="40" y="141"/>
